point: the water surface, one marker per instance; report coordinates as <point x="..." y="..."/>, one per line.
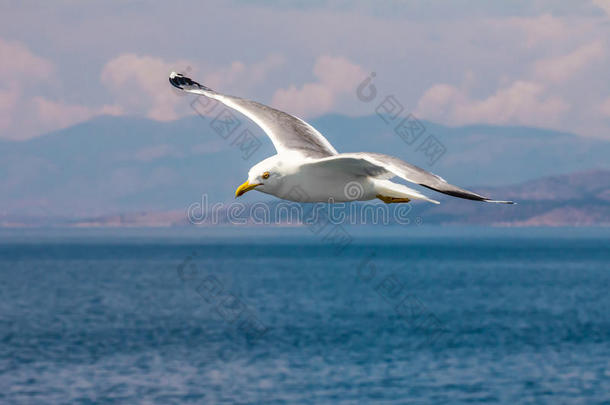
<point x="455" y="315"/>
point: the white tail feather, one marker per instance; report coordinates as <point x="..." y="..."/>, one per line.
<point x="391" y="189"/>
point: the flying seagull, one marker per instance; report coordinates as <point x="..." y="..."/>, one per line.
<point x="307" y="168"/>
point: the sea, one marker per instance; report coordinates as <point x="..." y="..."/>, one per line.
<point x="362" y="315"/>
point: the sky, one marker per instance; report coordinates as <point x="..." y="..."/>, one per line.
<point x="535" y="63"/>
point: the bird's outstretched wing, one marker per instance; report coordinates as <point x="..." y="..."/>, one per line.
<point x="288" y="133"/>
<point x="384" y="166"/>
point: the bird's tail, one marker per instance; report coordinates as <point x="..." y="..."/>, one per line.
<point x="388" y="188"/>
<point x="499" y="201"/>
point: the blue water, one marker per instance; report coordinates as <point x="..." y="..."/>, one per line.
<point x="252" y="317"/>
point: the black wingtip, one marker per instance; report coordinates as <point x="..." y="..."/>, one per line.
<point x="180" y="81"/>
<point x="173" y="80"/>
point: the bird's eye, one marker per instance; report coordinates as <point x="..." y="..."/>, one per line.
<point x="266" y="175"/>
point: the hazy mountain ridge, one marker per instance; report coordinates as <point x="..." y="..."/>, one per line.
<point x="121" y="165"/>
<point x="578" y="199"/>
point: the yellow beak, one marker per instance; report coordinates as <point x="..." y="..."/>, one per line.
<point x="244" y="188"/>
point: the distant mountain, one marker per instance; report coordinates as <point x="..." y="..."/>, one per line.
<point x="122" y="165"/>
<point x="579" y="199"/>
<point x="476" y="154"/>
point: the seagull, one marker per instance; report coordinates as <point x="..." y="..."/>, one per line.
<point x="307" y="168"/>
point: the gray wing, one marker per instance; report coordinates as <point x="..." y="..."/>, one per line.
<point x="385" y="166"/>
<point x="288" y="133"/>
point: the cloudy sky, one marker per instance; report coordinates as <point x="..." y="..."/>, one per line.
<point x="537" y="63"/>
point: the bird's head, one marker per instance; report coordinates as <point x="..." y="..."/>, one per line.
<point x="265" y="176"/>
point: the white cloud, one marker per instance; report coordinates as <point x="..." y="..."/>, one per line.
<point x="336" y="76"/>
<point x="560" y="68"/>
<point x="439" y="101"/>
<point x="534" y="30"/>
<point x="603" y="4"/>
<point x="411" y="52"/>
<point x="522" y="102"/>
<point x="259" y="71"/>
<point x="139" y="83"/>
<point x="17" y="62"/>
<point x="309" y="100"/>
<point x="23" y="114"/>
<point x="56" y="114"/>
<point x="242" y="75"/>
<point x="540" y="98"/>
<point x="20" y="69"/>
<point x="140" y="86"/>
<point x="221" y="78"/>
<point x="338" y="73"/>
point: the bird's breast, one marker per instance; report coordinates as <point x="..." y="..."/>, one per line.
<point x="325" y="187"/>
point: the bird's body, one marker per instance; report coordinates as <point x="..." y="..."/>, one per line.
<point x="307" y="168"/>
<point x="314" y="180"/>
<point x="308" y="182"/>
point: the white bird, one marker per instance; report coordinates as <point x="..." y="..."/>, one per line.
<point x="307" y="168"/>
